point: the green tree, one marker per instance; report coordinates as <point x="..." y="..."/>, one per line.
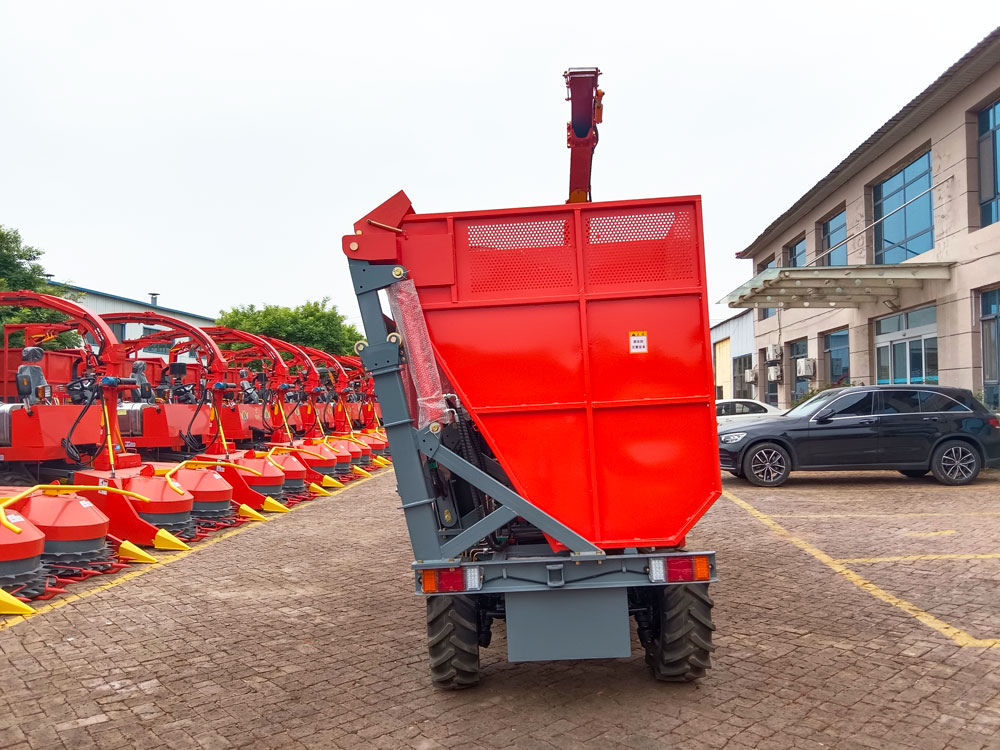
<point x="20" y="269"/>
<point x="316" y="324"/>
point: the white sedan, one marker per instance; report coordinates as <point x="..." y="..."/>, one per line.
<point x="743" y="410"/>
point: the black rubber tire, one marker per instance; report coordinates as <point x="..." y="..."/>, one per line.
<point x="682" y="651"/>
<point x="16" y="479"/>
<point x="914" y="473"/>
<point x="769" y="476"/>
<point x="955" y="463"/>
<point x="453" y="641"/>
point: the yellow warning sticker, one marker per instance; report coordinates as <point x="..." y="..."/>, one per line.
<point x="638" y="342"/>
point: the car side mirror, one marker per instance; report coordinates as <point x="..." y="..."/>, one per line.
<point x="824" y="415"/>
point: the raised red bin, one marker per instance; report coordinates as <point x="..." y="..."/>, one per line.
<point x="577" y="336"/>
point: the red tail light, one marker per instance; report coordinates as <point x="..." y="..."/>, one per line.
<point x="451" y="580"/>
<point x="993" y="422"/>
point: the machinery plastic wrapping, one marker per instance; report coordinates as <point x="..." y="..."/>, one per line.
<point x="405" y="307"/>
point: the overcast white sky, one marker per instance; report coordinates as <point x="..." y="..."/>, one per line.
<point x="216" y="152"/>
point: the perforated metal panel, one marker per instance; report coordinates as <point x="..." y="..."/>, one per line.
<point x="641" y="250"/>
<point x="518" y="256"/>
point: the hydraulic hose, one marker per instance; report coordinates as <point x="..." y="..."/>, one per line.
<point x="188" y="438"/>
<point x="72" y="453"/>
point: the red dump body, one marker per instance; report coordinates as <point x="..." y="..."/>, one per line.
<point x="578" y="338"/>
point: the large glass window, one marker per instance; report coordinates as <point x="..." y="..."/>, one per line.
<point x="904" y="233"/>
<point x="771" y="397"/>
<point x="834" y="234"/>
<point x="989" y="164"/>
<point x="741" y="388"/>
<point x="991" y="349"/>
<point x="767" y="312"/>
<point x="906" y="347"/>
<point x="798" y="350"/>
<point x="155" y="348"/>
<point x="797" y="254"/>
<point x="836" y="347"/>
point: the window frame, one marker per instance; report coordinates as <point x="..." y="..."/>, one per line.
<point x="825" y="258"/>
<point x="826" y="354"/>
<point x="988" y="140"/>
<point x="772" y="262"/>
<point x="878" y="200"/>
<point x="748" y="387"/>
<point x="991" y="319"/>
<point x="791" y="253"/>
<point x="905" y="335"/>
<point x="792" y="358"/>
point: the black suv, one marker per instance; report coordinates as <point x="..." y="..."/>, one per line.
<point x="912" y="429"/>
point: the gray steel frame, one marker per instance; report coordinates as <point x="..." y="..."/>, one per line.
<point x="528" y="569"/>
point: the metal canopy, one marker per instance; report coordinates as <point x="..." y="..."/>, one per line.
<point x="833" y="286"/>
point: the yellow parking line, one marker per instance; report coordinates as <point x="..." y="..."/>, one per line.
<point x="922" y="534"/>
<point x="912" y="558"/>
<point x="884" y="515"/>
<point x="62" y="601"/>
<point x="950" y="631"/>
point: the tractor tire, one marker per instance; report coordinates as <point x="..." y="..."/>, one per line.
<point x="453" y="641"/>
<point x="913" y="473"/>
<point x="16" y="479"/>
<point x="682" y="650"/>
<point x="767" y="465"/>
<point x="955" y="463"/>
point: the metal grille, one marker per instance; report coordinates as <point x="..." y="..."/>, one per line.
<point x="646" y="249"/>
<point x="519" y="256"/>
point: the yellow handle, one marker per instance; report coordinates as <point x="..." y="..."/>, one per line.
<point x="59" y="489"/>
<point x="107" y="430"/>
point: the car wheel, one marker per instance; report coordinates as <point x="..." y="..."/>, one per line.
<point x="913" y="473"/>
<point x="767" y="465"/>
<point x="955" y="462"/>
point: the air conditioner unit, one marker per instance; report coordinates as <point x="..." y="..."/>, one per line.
<point x="805" y="368"/>
<point x="774" y="374"/>
<point x="773" y="353"/>
<point x="750" y="376"/>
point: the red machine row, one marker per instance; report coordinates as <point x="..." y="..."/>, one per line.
<point x="108" y="446"/>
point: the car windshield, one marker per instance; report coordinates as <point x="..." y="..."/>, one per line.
<point x="814" y="404"/>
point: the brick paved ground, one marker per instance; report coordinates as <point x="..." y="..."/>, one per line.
<point x="303" y="633"/>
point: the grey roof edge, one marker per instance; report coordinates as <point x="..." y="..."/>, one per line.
<point x="76" y="288"/>
<point x="731" y="318"/>
<point x="911" y="116"/>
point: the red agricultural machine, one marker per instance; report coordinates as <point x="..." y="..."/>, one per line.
<point x="607" y="302"/>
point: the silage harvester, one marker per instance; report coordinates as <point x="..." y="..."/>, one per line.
<point x="362" y="403"/>
<point x="558" y="503"/>
<point x="94" y="451"/>
<point x="359" y="451"/>
<point x="275" y="391"/>
<point x="182" y="418"/>
<point x="59" y="421"/>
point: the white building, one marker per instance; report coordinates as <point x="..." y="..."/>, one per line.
<point x="102" y="302"/>
<point x="888" y="269"/>
<point x="732" y="356"/>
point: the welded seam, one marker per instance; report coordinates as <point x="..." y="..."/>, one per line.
<point x="956" y="635"/>
<point x="62" y="601"/>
